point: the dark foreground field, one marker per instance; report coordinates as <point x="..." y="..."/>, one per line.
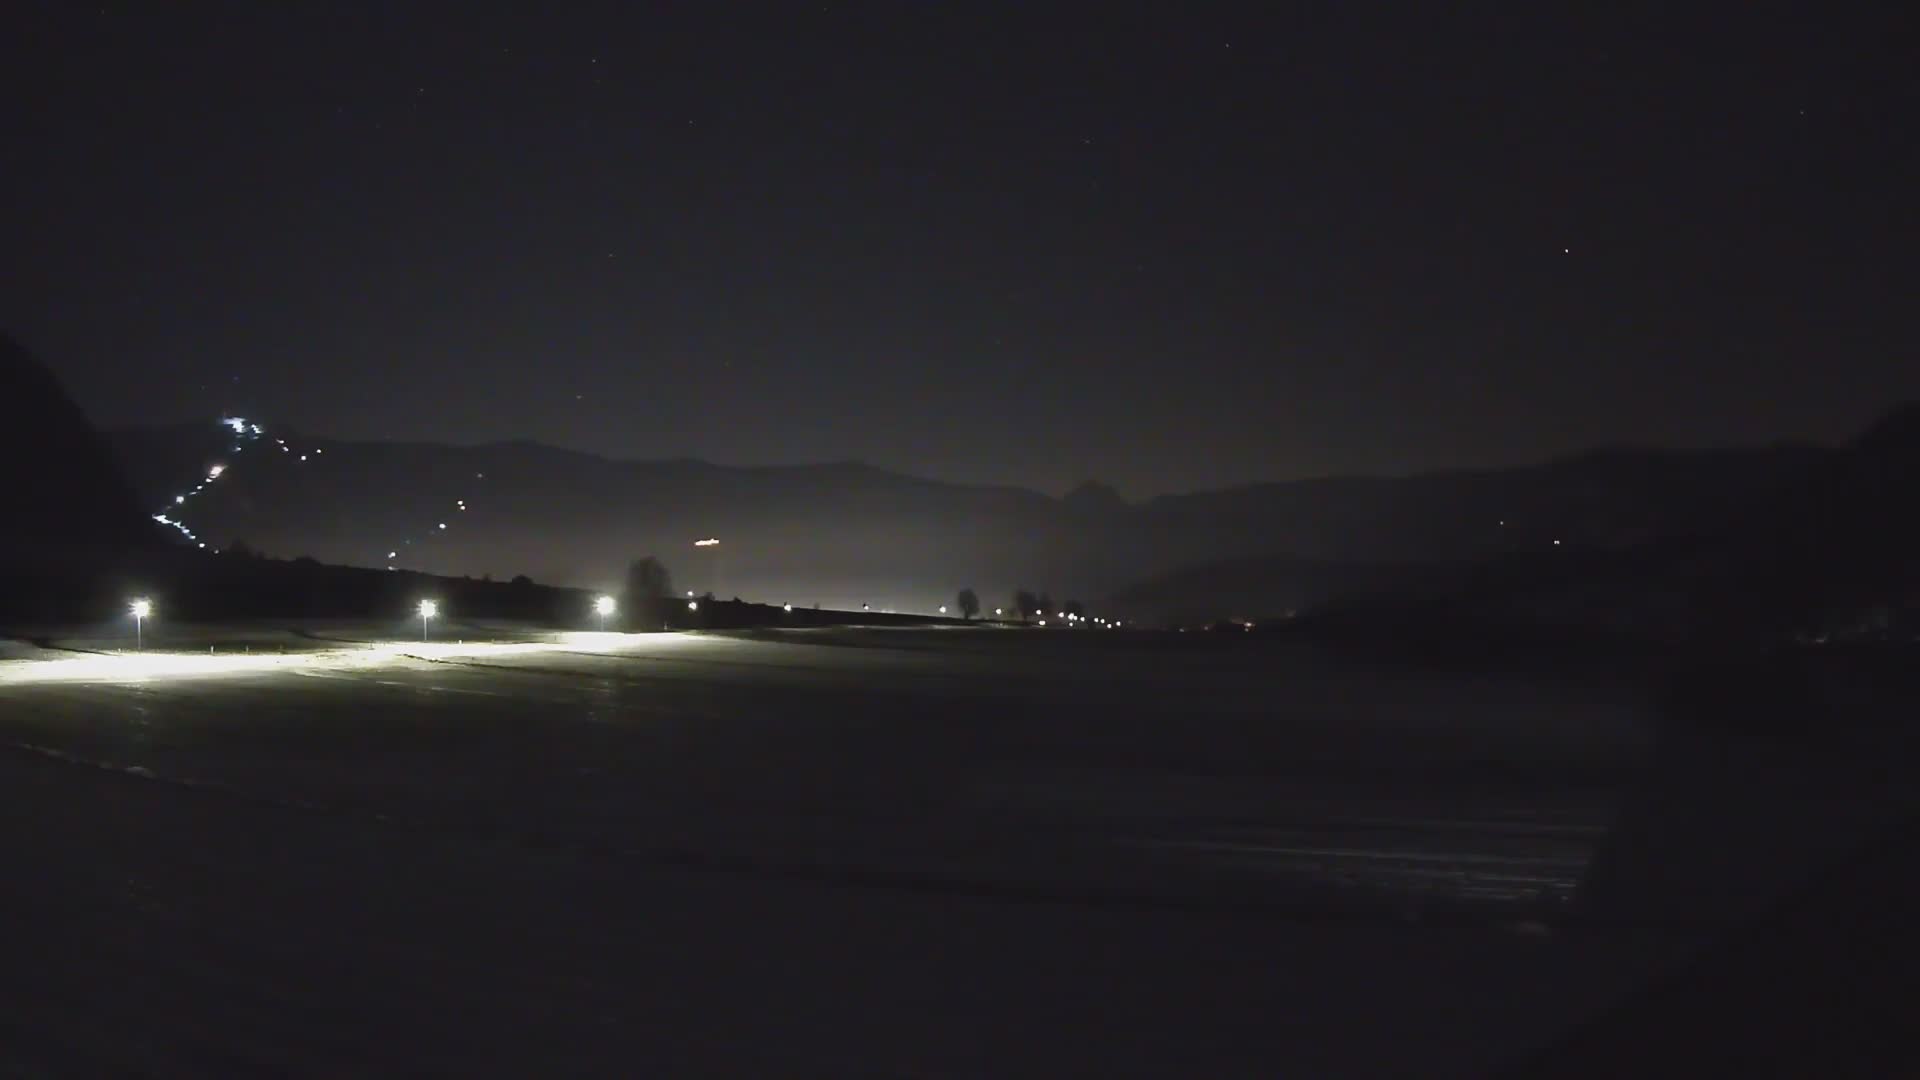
<point x="903" y="853"/>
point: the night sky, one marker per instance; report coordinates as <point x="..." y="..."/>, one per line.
<point x="1167" y="246"/>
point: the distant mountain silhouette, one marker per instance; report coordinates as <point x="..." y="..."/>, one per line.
<point x="848" y="533"/>
<point x="1093" y="497"/>
<point x="1895" y="434"/>
<point x="66" y="499"/>
<point x="71" y="527"/>
<point x="1730" y="545"/>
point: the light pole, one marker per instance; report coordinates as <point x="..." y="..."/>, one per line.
<point x="603" y="607"/>
<point x="712" y="544"/>
<point x="428" y="609"/>
<point x="140" y="609"/>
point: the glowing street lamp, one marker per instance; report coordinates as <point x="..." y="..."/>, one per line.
<point x="943" y="609"/>
<point x="693" y="605"/>
<point x="603" y="607"/>
<point x="140" y="609"/>
<point x="428" y="609"/>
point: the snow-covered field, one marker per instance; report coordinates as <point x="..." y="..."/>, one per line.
<point x="845" y="852"/>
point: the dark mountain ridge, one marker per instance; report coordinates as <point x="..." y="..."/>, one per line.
<point x="1787" y="541"/>
<point x="845" y="533"/>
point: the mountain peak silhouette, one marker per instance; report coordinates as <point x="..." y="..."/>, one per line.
<point x="65" y="491"/>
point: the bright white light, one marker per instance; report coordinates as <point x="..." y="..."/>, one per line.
<point x="943" y="609"/>
<point x="136" y="667"/>
<point x="1556" y="543"/>
<point x="238" y="425"/>
<point x="141" y="608"/>
<point x="393" y="554"/>
<point x="443" y="524"/>
<point x="689" y="592"/>
<point x="786" y="607"/>
<point x="708" y="542"/>
<point x="996" y="611"/>
<point x="1043" y="622"/>
<point x="303" y="457"/>
<point x="428" y="609"/>
<point x="178" y="499"/>
<point x="214" y="472"/>
<point x="693" y="605"/>
<point x="603" y="606"/>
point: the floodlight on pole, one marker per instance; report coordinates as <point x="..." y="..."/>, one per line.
<point x="603" y="607"/>
<point x="428" y="609"/>
<point x="140" y="609"/>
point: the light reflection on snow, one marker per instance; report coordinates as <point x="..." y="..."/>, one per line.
<point x="139" y="666"/>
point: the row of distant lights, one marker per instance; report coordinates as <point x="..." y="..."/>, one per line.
<point x="1077" y="621"/>
<point x="459" y="507"/>
<point x="1066" y="617"/>
<point x="245" y="433"/>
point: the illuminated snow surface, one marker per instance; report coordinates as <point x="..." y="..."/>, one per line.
<point x="837" y="852"/>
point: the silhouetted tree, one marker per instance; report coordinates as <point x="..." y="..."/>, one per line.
<point x="969" y="602"/>
<point x="241" y="549"/>
<point x="649" y="589"/>
<point x="1025" y="603"/>
<point x="520" y="581"/>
